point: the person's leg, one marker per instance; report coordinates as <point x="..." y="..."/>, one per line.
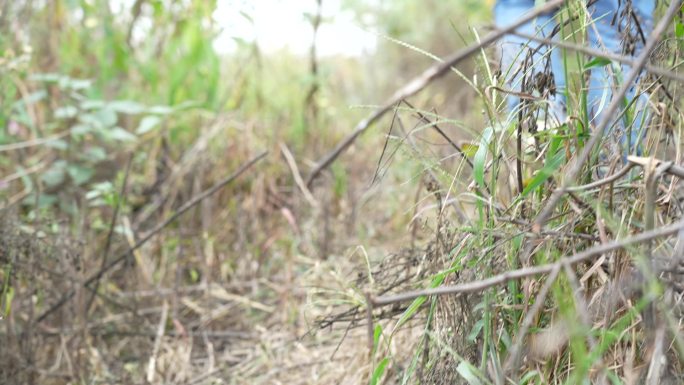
<point x="515" y="50"/>
<point x="620" y="26"/>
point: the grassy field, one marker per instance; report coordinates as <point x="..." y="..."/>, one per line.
<point x="160" y="222"/>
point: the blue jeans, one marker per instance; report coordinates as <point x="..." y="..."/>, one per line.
<point x="614" y="31"/>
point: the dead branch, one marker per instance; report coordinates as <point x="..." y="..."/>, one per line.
<point x="123" y="256"/>
<point x="477" y="286"/>
<point x="606" y="119"/>
<point x="664" y="72"/>
<point x="420" y="82"/>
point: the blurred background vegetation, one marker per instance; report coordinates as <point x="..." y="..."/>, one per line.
<point x="180" y="93"/>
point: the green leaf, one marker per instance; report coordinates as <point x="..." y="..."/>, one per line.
<point x="470" y="149"/>
<point x="410" y="311"/>
<point x="160" y="110"/>
<point x="472" y="336"/>
<point x="376" y="336"/>
<point x="8" y="297"/>
<point x="92" y="104"/>
<point x="32" y="98"/>
<point x="679" y="30"/>
<point x="75" y="84"/>
<point x="379" y="371"/>
<point x="81" y="129"/>
<point x="147" y="124"/>
<point x="47" y="78"/>
<point x="126" y="107"/>
<point x="55" y="174"/>
<point x="481" y="156"/>
<point x="118" y="133"/>
<point x="105" y="117"/>
<point x="80" y="174"/>
<point x="58" y="144"/>
<point x="542" y="175"/>
<point x="597" y="62"/>
<point x="94" y="154"/>
<point x="44" y="200"/>
<point x="529" y="376"/>
<point x="469" y="373"/>
<point x="66" y="112"/>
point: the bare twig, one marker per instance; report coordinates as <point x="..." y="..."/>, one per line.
<point x="669" y="167"/>
<point x="421" y="81"/>
<point x="477" y="286"/>
<point x="152" y="363"/>
<point x="442" y="134"/>
<point x="110" y="234"/>
<point x="606" y="118"/>
<point x="33" y="142"/>
<point x="123" y="256"/>
<point x="664" y="72"/>
<point x="604" y="181"/>
<point x="297" y="176"/>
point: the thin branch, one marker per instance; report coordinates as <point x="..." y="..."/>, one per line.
<point x="664" y="72"/>
<point x="421" y="81"/>
<point x="668" y="167"/>
<point x="604" y="181"/>
<point x="123" y="256"/>
<point x="478" y="286"/>
<point x="606" y="119"/>
<point x="110" y="234"/>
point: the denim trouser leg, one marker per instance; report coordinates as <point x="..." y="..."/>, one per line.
<point x="514" y="50"/>
<point x="616" y="32"/>
<point x="608" y="35"/>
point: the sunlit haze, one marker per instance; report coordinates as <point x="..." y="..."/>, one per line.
<point x="279" y="24"/>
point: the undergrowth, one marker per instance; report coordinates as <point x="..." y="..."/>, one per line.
<point x="110" y="130"/>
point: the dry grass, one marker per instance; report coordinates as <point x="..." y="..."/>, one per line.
<point x="266" y="281"/>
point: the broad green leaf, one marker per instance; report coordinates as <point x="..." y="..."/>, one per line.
<point x="66" y="112"/>
<point x="147" y="124"/>
<point x="118" y="133"/>
<point x="679" y="30"/>
<point x="105" y="117"/>
<point x="160" y="110"/>
<point x="48" y="78"/>
<point x="55" y="174"/>
<point x="75" y="84"/>
<point x="126" y="107"/>
<point x="94" y="154"/>
<point x="58" y="144"/>
<point x="81" y="129"/>
<point x="33" y="97"/>
<point x="80" y="174"/>
<point x="44" y="200"/>
<point x="92" y="104"/>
